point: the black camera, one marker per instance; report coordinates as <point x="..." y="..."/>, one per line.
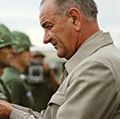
<point x="36" y="73"/>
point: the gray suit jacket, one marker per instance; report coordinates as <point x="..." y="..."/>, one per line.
<point x="92" y="88"/>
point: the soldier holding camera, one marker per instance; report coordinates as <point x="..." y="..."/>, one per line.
<point x="42" y="81"/>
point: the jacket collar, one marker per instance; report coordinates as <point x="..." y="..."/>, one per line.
<point x="91" y="45"/>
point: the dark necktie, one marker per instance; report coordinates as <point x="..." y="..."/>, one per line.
<point x="65" y="74"/>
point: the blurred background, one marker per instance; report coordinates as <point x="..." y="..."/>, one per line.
<point x="23" y="15"/>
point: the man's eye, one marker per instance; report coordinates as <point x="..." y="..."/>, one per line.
<point x="49" y="26"/>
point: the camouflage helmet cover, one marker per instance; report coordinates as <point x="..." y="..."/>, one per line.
<point x="23" y="41"/>
<point x="6" y="38"/>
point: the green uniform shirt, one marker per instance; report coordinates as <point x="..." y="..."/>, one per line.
<point x="5" y="93"/>
<point x="20" y="93"/>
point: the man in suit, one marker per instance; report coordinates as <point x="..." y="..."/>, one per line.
<point x="91" y="89"/>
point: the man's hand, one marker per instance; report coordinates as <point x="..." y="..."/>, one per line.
<point x="5" y="109"/>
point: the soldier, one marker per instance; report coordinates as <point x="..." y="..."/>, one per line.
<point x="6" y="56"/>
<point x="42" y="80"/>
<point x="13" y="76"/>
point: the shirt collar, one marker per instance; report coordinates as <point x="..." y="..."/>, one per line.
<point x="91" y="45"/>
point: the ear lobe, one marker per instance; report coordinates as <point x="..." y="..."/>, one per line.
<point x="74" y="14"/>
<point x="77" y="25"/>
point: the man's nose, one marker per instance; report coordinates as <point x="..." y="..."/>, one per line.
<point x="46" y="37"/>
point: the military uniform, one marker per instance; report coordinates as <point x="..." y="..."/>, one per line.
<point x="42" y="93"/>
<point x="20" y="93"/>
<point x="5" y="92"/>
<point x="6" y="39"/>
<point x="40" y="81"/>
<point x="13" y="77"/>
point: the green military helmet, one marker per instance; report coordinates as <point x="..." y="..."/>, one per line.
<point x="37" y="54"/>
<point x="23" y="41"/>
<point x="6" y="38"/>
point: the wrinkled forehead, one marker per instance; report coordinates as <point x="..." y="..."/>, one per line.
<point x="43" y="1"/>
<point x="46" y="8"/>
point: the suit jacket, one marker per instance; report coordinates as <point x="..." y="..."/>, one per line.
<point x="92" y="88"/>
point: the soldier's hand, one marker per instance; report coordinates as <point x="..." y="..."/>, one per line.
<point x="5" y="109"/>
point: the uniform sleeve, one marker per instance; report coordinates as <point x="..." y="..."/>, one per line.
<point x="3" y="92"/>
<point x="24" y="113"/>
<point x="91" y="93"/>
<point x="2" y="96"/>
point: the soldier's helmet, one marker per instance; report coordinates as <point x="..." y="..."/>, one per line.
<point x="23" y="41"/>
<point x="6" y="38"/>
<point x="38" y="54"/>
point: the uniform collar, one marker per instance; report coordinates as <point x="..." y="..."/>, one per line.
<point x="91" y="45"/>
<point x="13" y="70"/>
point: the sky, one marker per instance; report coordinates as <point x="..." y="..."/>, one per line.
<point x="23" y="15"/>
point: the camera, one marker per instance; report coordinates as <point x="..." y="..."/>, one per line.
<point x="35" y="73"/>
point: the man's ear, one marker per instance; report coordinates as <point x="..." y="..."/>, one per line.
<point x="76" y="18"/>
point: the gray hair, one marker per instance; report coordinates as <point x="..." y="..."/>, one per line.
<point x="87" y="7"/>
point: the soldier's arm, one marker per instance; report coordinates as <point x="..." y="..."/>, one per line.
<point x="11" y="111"/>
<point x="2" y="92"/>
<point x="2" y="96"/>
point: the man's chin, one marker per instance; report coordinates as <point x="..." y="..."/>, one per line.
<point x="60" y="55"/>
